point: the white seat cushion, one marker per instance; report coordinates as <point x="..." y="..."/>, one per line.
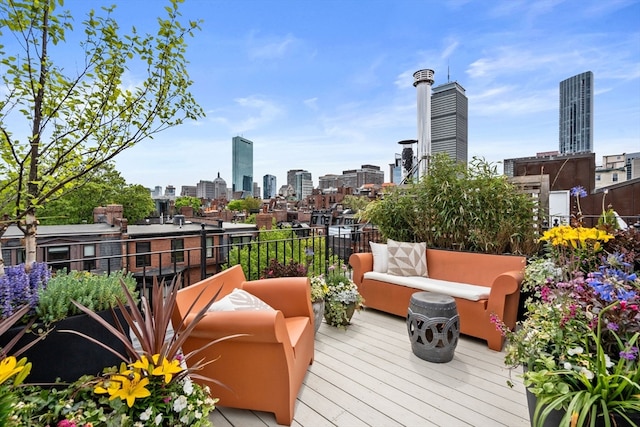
<point x="454" y="289"/>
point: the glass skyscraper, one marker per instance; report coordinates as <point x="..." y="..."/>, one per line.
<point x="576" y="114"/>
<point x="269" y="186"/>
<point x="242" y="166"/>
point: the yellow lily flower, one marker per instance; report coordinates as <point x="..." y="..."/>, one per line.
<point x="168" y="369"/>
<point x="8" y="367"/>
<point x="132" y="388"/>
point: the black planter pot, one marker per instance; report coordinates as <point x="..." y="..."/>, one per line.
<point x="68" y="356"/>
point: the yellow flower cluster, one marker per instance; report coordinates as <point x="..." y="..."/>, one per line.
<point x="10" y="366"/>
<point x="131" y="382"/>
<point x="576" y="237"/>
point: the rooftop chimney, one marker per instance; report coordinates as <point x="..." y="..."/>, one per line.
<point x="422" y="80"/>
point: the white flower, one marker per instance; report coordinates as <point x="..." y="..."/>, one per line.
<point x="187" y="387"/>
<point x="138" y="424"/>
<point x="184" y="419"/>
<point x="180" y="403"/>
<point x="576" y="350"/>
<point x="607" y="361"/>
<point x="146" y="414"/>
<point x="567" y="366"/>
<point x="587" y="373"/>
<point x="158" y="419"/>
<point x="197" y="414"/>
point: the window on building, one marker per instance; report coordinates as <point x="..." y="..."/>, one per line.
<point x="614" y="177"/>
<point x="144" y="249"/>
<point x="89" y="255"/>
<point x="177" y="250"/>
<point x="58" y="257"/>
<point x="209" y="247"/>
<point x="598" y="178"/>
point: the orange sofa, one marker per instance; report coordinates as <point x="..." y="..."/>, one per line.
<point x="264" y="369"/>
<point x="497" y="278"/>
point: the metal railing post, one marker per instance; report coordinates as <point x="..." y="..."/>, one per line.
<point x="203" y="253"/>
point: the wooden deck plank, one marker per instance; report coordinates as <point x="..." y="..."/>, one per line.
<point x="368" y="376"/>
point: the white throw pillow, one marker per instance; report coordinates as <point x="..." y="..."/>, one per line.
<point x="239" y="300"/>
<point x="380" y="257"/>
<point x="407" y="259"/>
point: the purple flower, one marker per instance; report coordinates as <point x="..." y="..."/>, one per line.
<point x="578" y="191"/>
<point x="631" y="354"/>
<point x="612" y="326"/>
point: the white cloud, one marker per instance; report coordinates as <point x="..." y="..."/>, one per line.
<point x="271" y="48"/>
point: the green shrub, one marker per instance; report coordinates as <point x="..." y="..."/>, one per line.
<point x="456" y="207"/>
<point x="98" y="292"/>
<point x="283" y="245"/>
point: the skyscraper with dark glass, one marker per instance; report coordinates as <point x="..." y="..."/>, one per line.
<point x="576" y="114"/>
<point x="242" y="166"/>
<point x="269" y="186"/>
<point x="449" y="123"/>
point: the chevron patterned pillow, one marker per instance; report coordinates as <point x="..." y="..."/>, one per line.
<point x="239" y="300"/>
<point x="407" y="259"/>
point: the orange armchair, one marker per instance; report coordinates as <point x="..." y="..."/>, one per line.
<point x="264" y="369"/>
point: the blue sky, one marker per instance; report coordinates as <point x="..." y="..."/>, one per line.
<point x="327" y="85"/>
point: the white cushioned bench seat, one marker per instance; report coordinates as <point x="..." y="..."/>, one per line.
<point x="454" y="289"/>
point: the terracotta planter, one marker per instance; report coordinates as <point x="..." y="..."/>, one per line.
<point x="351" y="308"/>
<point x="68" y="356"/>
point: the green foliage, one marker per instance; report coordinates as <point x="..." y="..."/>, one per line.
<point x="101" y="187"/>
<point x="355" y="203"/>
<point x="96" y="291"/>
<point x="250" y="203"/>
<point x="282" y="245"/>
<point x="236" y="205"/>
<point x="136" y="202"/>
<point x="81" y="117"/>
<point x="459" y="208"/>
<point x="191" y="201"/>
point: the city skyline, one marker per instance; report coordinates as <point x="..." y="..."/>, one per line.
<point x="327" y="86"/>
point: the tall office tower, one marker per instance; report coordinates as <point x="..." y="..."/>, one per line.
<point x="256" y="190"/>
<point x="576" y="114"/>
<point x="303" y="184"/>
<point x="242" y="166"/>
<point x="205" y="190"/>
<point x="291" y="176"/>
<point x="269" y="188"/>
<point x="422" y="81"/>
<point x="449" y="124"/>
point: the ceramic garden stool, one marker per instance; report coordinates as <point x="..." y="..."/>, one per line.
<point x="433" y="325"/>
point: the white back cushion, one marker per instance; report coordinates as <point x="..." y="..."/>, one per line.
<point x="239" y="300"/>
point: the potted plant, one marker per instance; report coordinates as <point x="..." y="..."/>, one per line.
<point x="296" y="269"/>
<point x="52" y="311"/>
<point x="151" y="386"/>
<point x="341" y="299"/>
<point x="578" y="344"/>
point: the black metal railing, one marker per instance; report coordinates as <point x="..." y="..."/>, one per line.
<point x="207" y="252"/>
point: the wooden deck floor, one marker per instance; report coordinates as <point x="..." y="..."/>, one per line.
<point x="368" y="376"/>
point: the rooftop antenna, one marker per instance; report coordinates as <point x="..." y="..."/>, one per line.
<point x="448" y="80"/>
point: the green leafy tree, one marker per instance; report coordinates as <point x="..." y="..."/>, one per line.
<point x="80" y="117"/>
<point x="251" y="203"/>
<point x="75" y="206"/>
<point x="102" y="187"/>
<point x="191" y="201"/>
<point x="236" y="205"/>
<point x="136" y="202"/>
